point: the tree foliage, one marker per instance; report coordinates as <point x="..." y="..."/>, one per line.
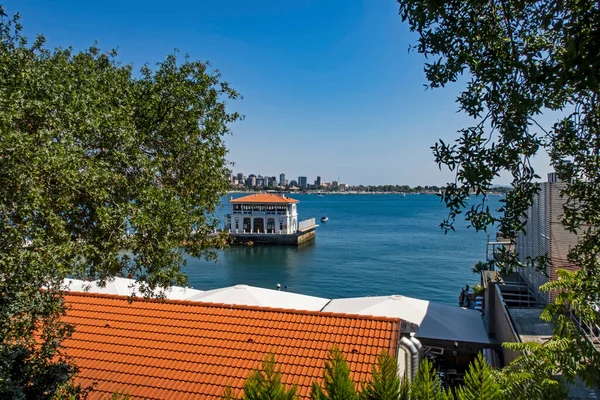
<point x="481" y="266"/>
<point x="525" y="379"/>
<point x="531" y="376"/>
<point x="521" y="60"/>
<point x="427" y="385"/>
<point x="480" y="382"/>
<point x="337" y="384"/>
<point x="266" y="384"/>
<point x="95" y="159"/>
<point x="385" y="381"/>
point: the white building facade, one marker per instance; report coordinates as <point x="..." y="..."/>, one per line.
<point x="262" y="213"/>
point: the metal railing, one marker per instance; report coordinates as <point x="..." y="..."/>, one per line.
<point x="590" y="331"/>
<point x="307" y="223"/>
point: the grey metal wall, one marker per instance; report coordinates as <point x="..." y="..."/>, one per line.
<point x="545" y="235"/>
<point x="536" y="241"/>
<point x="561" y="241"/>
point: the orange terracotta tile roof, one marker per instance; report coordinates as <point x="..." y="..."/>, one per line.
<point x="264" y="198"/>
<point x="183" y="349"/>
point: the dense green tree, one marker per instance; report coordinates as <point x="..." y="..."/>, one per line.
<point x="95" y="159"/>
<point x="385" y="382"/>
<point x="337" y="384"/>
<point x="404" y="390"/>
<point x="520" y="60"/>
<point x="427" y="385"/>
<point x="266" y="384"/>
<point x="531" y="376"/>
<point x="481" y="382"/>
<point x="228" y="394"/>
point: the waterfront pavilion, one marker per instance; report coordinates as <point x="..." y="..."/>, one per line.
<point x="262" y="213"/>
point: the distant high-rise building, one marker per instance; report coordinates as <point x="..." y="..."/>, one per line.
<point x="282" y="180"/>
<point x="271" y="181"/>
<point x="318" y="181"/>
<point x="302" y="181"/>
<point x="260" y="181"/>
<point x="335" y="184"/>
<point x="240" y="177"/>
<point x="251" y="180"/>
<point x="293" y="183"/>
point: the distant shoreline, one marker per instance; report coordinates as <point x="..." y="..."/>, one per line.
<point x="349" y="192"/>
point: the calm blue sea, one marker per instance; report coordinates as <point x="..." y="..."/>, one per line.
<point x="372" y="245"/>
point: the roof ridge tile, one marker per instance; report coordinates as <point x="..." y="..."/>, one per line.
<point x="143" y="300"/>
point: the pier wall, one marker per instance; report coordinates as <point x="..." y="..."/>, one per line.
<point x="307" y="236"/>
<point x="274" y="238"/>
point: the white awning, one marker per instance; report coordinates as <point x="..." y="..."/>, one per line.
<point x="435" y="320"/>
<point x="181" y="293"/>
<point x="255" y="296"/>
<point x="125" y="287"/>
<point x="120" y="286"/>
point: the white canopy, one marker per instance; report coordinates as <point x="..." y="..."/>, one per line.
<point x="435" y="320"/>
<point x="125" y="287"/>
<point x="181" y="293"/>
<point x="255" y="296"/>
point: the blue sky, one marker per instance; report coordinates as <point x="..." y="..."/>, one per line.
<point x="329" y="87"/>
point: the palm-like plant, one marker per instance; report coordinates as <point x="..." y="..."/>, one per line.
<point x="481" y="266"/>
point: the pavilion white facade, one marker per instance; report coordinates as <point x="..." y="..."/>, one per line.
<point x="262" y="213"/>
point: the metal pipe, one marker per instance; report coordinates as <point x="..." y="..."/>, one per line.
<point x="417" y="344"/>
<point x="413" y="366"/>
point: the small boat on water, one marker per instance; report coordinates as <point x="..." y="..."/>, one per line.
<point x="324" y="219"/>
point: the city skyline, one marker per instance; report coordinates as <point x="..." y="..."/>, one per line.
<point x="253" y="179"/>
<point x="280" y="180"/>
<point x="326" y="86"/>
<point x="282" y="175"/>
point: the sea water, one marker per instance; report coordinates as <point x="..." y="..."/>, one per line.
<point x="372" y="245"/>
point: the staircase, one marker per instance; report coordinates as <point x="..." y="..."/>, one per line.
<point x="592" y="333"/>
<point x="518" y="295"/>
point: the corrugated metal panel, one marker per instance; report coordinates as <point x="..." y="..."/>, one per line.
<point x="535" y="242"/>
<point x="545" y="236"/>
<point x="561" y="241"/>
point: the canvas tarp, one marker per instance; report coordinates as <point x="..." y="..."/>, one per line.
<point x="435" y="320"/>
